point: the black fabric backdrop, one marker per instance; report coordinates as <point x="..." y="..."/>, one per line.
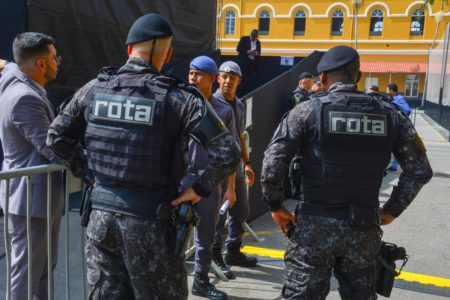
<point x="13" y="20"/>
<point x="268" y="106"/>
<point x="91" y="34"/>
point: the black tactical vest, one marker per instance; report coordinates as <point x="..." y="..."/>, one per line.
<point x="128" y="141"/>
<point x="347" y="165"/>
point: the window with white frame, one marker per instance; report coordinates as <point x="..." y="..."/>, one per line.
<point x="376" y="22"/>
<point x="264" y="22"/>
<point x="230" y="22"/>
<point x="412" y="86"/>
<point x="337" y="22"/>
<point x="300" y="22"/>
<point x="417" y="22"/>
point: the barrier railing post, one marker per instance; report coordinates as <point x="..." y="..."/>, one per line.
<point x="7" y="246"/>
<point x="66" y="208"/>
<point x="49" y="238"/>
<point x="29" y="238"/>
<point x="28" y="173"/>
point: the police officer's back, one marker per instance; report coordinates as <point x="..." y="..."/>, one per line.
<point x="345" y="139"/>
<point x="131" y="123"/>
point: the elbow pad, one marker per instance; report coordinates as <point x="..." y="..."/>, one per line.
<point x="209" y="128"/>
<point x="411" y="151"/>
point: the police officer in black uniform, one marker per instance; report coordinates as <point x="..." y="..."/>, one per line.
<point x="130" y="124"/>
<point x="345" y="138"/>
<point x="301" y="93"/>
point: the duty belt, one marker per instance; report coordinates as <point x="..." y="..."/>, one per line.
<point x="357" y="216"/>
<point x="319" y="210"/>
<point x="129" y="203"/>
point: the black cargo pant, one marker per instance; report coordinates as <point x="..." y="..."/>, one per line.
<point x="319" y="245"/>
<point x="128" y="258"/>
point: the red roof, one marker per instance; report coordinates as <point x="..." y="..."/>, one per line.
<point x="393" y="67"/>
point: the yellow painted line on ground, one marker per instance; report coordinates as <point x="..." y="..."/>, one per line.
<point x="435" y="131"/>
<point x="264" y="252"/>
<point x="406" y="276"/>
<point x="425" y="279"/>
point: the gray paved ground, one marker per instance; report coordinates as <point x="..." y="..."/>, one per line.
<point x="424" y="230"/>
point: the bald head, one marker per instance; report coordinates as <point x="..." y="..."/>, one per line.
<point x="160" y="49"/>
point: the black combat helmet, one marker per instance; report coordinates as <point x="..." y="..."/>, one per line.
<point x="149" y="27"/>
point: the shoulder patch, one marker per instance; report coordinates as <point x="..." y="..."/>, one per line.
<point x="298" y="98"/>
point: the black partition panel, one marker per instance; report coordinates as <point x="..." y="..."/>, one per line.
<point x="91" y="34"/>
<point x="265" y="107"/>
<point x="439" y="113"/>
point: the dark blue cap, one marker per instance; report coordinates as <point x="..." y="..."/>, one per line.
<point x="204" y="64"/>
<point x="149" y="27"/>
<point x="305" y="75"/>
<point x="230" y="67"/>
<point x="337" y="57"/>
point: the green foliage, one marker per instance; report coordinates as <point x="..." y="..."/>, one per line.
<point x="431" y="2"/>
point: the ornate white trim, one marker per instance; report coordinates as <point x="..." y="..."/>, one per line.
<point x="308" y="51"/>
<point x="329" y="9"/>
<point x="234" y="6"/>
<point x="294" y="8"/>
<point x="339" y="41"/>
<point x="388" y="12"/>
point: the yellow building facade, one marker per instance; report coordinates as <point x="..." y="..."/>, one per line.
<point x="392" y="36"/>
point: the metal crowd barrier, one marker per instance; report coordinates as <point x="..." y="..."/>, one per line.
<point x="28" y="172"/>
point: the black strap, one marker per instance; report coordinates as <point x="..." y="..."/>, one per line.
<point x="319" y="210"/>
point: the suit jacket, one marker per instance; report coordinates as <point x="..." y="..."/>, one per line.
<point x="244" y="45"/>
<point x="25" y="117"/>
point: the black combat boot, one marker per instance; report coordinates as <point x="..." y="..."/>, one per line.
<point x="203" y="288"/>
<point x="218" y="260"/>
<point x="235" y="257"/>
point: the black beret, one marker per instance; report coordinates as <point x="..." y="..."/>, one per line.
<point x="337" y="57"/>
<point x="305" y="75"/>
<point x="149" y="27"/>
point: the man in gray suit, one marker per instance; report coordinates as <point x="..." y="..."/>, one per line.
<point x="26" y="114"/>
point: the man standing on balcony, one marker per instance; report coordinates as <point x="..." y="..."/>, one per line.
<point x="249" y="51"/>
<point x="24" y="122"/>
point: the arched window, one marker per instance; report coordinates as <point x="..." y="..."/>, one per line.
<point x="337" y="22"/>
<point x="264" y="22"/>
<point x="300" y="22"/>
<point x="417" y="22"/>
<point x="376" y="22"/>
<point x="230" y="22"/>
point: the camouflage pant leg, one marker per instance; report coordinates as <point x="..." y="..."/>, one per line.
<point x="309" y="258"/>
<point x="128" y="259"/>
<point x="355" y="265"/>
<point x="106" y="272"/>
<point x="154" y="272"/>
<point x="320" y="244"/>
